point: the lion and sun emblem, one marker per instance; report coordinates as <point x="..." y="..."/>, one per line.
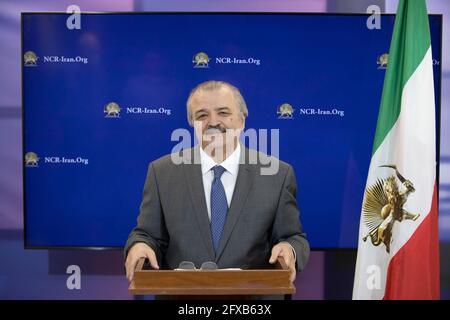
<point x="30" y="59"/>
<point x="383" y="60"/>
<point x="383" y="206"/>
<point x="201" y="60"/>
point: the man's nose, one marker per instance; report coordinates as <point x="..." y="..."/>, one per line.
<point x="213" y="120"/>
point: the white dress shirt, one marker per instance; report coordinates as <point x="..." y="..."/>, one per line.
<point x="228" y="178"/>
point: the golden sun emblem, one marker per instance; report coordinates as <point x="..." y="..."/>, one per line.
<point x="31" y="159"/>
<point x="201" y="60"/>
<point x="383" y="205"/>
<point x="112" y="110"/>
<point x="383" y="60"/>
<point x="30" y="59"/>
<point x="285" y="111"/>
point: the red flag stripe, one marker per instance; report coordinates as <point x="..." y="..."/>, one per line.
<point x="413" y="272"/>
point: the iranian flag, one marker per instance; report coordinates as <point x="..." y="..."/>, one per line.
<point x="398" y="250"/>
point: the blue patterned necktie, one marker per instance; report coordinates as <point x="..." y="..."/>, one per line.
<point x="219" y="206"/>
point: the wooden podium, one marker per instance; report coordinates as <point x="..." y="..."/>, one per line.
<point x="187" y="284"/>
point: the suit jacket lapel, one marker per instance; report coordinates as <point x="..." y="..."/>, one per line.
<point x="243" y="185"/>
<point x="194" y="179"/>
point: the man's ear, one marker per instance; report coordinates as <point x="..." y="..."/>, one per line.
<point x="243" y="122"/>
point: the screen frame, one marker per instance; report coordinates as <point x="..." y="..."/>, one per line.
<point x="94" y="248"/>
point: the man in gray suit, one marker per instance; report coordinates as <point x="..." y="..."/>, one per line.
<point x="213" y="202"/>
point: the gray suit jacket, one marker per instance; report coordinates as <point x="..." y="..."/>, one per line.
<point x="173" y="218"/>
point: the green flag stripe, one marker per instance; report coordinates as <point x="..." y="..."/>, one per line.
<point x="409" y="44"/>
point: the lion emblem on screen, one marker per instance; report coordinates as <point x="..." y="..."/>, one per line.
<point x="383" y="205"/>
<point x="285" y="111"/>
<point x="382" y="61"/>
<point x="112" y="110"/>
<point x="31" y="159"/>
<point x="30" y="58"/>
<point x="201" y="60"/>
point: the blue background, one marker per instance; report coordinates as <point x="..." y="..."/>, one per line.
<point x="318" y="61"/>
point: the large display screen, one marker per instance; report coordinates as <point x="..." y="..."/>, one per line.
<point x="101" y="102"/>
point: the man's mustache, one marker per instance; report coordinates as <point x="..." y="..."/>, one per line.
<point x="215" y="130"/>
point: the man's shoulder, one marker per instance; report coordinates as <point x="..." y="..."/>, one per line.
<point x="269" y="166"/>
<point x="174" y="159"/>
<point x="263" y="160"/>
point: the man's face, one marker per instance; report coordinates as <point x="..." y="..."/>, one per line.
<point x="216" y="117"/>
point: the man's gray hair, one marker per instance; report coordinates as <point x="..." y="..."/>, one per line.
<point x="212" y="85"/>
